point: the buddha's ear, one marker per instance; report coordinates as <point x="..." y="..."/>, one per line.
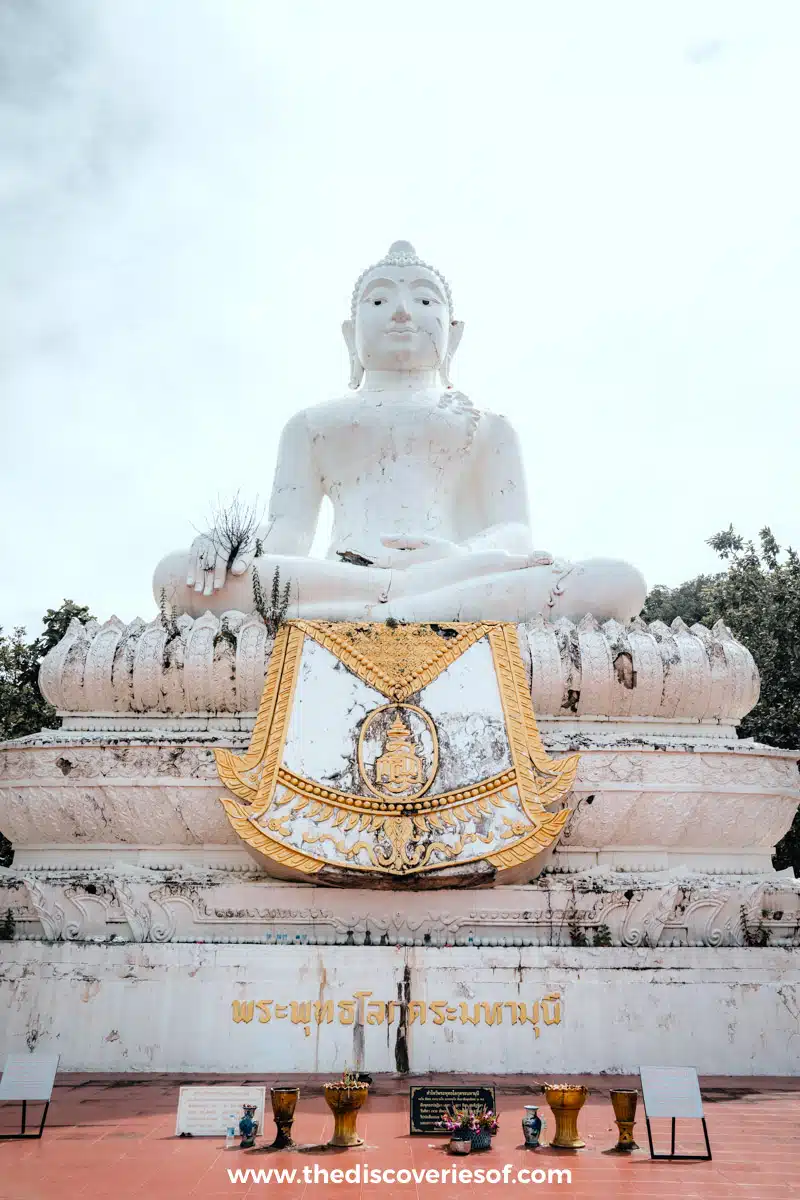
<point x="456" y="333"/>
<point x="349" y="335"/>
<point x="356" y="366"/>
<point x="456" y="330"/>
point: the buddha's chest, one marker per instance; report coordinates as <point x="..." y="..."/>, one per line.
<point x="394" y="436"/>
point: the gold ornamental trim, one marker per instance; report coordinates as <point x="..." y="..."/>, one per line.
<point x="400" y="667"/>
<point x="317" y="793"/>
<point x="542" y="780"/>
<point x="549" y="829"/>
<point x="255" y="772"/>
<point x="397" y="834"/>
<point x="266" y="845"/>
<point x="396" y="827"/>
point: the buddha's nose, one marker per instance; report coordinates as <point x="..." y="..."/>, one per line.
<point x="401" y="313"/>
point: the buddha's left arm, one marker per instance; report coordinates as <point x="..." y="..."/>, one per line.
<point x="497" y="484"/>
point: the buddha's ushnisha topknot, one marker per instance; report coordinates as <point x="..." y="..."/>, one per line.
<point x="401" y="254"/>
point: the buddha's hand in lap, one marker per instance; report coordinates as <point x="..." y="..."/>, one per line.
<point x="468" y="563"/>
<point x="495" y="562"/>
<point x="208" y="565"/>
<point x="408" y="550"/>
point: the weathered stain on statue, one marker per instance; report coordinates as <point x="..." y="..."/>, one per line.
<point x="358" y="1030"/>
<point x="401" y="1059"/>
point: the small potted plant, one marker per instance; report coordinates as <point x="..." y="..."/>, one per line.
<point x="486" y="1122"/>
<point x="460" y="1124"/>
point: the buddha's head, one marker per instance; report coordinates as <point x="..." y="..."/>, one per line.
<point x="401" y="318"/>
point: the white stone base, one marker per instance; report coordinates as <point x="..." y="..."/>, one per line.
<point x="602" y="907"/>
<point x="647" y="798"/>
<point x="170" y="1008"/>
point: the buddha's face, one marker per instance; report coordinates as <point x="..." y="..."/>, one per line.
<point x="402" y="320"/>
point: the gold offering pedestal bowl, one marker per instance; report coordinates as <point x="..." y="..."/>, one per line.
<point x="344" y="1102"/>
<point x="284" y="1102"/>
<point x="566" y="1100"/>
<point x="624" y="1101"/>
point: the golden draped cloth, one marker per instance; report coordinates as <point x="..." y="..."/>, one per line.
<point x="395" y="813"/>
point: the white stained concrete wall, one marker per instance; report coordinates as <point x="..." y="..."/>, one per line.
<point x="146" y="1007"/>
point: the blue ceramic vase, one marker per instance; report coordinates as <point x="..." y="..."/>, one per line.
<point x="248" y="1128"/>
<point x="532" y="1126"/>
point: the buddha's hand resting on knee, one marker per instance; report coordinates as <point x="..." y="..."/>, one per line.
<point x="208" y="565"/>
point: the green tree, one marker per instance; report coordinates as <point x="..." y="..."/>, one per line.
<point x="23" y="709"/>
<point x="758" y="597"/>
<point x="689" y="601"/>
<point x="56" y="623"/>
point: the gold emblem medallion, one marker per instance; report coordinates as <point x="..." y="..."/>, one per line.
<point x="399" y="771"/>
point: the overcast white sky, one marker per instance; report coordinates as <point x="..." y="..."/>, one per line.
<point x="189" y="188"/>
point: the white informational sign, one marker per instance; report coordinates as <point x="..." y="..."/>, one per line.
<point x="29" y="1076"/>
<point x="671" y="1092"/>
<point x="205" y="1111"/>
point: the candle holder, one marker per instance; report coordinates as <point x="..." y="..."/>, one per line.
<point x="566" y="1100"/>
<point x="624" y="1103"/>
<point x="284" y="1102"/>
<point x="344" y="1100"/>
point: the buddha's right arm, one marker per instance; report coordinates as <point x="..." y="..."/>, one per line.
<point x="296" y="493"/>
<point x="499" y="491"/>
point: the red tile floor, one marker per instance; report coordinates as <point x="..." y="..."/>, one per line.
<point x="112" y="1136"/>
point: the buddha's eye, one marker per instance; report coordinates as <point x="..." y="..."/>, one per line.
<point x="426" y="301"/>
<point x="377" y="302"/>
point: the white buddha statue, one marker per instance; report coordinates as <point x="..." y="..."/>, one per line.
<point x="430" y="504"/>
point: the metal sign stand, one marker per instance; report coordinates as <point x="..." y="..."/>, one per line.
<point x="672" y="1155"/>
<point x="7" y="1137"/>
<point x="28" y="1078"/>
<point x="673" y="1092"/>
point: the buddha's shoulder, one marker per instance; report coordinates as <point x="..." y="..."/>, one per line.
<point x="317" y="415"/>
<point x="308" y="421"/>
<point x="494" y="424"/>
